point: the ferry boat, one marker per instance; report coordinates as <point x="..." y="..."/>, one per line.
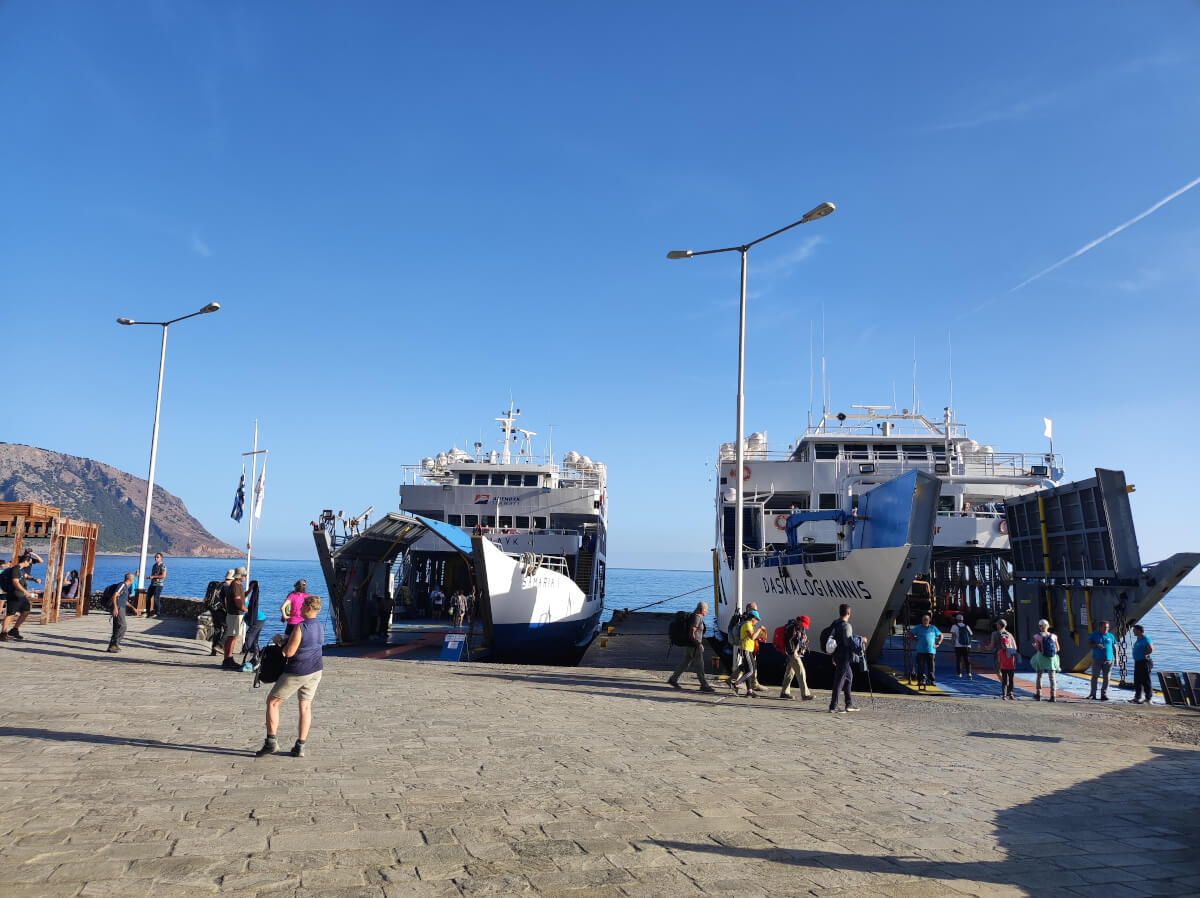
<point x="526" y="535"/>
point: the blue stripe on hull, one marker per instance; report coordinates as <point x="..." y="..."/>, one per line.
<point x="562" y="642"/>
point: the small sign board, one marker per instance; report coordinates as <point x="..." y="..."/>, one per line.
<point x="454" y="647"/>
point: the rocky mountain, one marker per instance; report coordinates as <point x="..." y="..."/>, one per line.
<point x="89" y="490"/>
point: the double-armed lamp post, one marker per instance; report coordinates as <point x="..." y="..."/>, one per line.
<point x="739" y="472"/>
<point x="162" y="359"/>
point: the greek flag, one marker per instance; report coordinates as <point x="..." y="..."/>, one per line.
<point x="258" y="491"/>
<point x="239" y="498"/>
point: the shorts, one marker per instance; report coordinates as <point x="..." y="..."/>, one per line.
<point x="233" y="623"/>
<point x="289" y="684"/>
<point x="16" y="605"/>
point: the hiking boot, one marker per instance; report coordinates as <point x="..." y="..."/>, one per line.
<point x="707" y="688"/>
<point x="298" y="749"/>
<point x="114" y="649"/>
<point x="1037" y="696"/>
<point x="790" y="698"/>
<point x="808" y="698"/>
<point x="15" y="633"/>
<point x="213" y="653"/>
<point x="674" y="684"/>
<point x="269" y="747"/>
<point x="230" y="664"/>
<point x="1104" y="698"/>
<point x="3" y="636"/>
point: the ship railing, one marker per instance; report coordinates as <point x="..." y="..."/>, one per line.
<point x="978" y="464"/>
<point x="754" y="559"/>
<point x="971" y="514"/>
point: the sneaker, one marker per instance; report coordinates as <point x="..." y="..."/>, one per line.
<point x="114" y="649"/>
<point x="15" y="633"/>
<point x="707" y="688"/>
<point x="1104" y="698"/>
<point x="836" y="711"/>
<point x="213" y="653"/>
<point x="851" y="708"/>
<point x="674" y="684"/>
<point x="732" y="686"/>
<point x="970" y="677"/>
<point x="230" y="664"/>
<point x="750" y="693"/>
<point x="789" y="698"/>
<point x="1135" y="701"/>
<point x="1091" y="698"/>
<point x="269" y="747"/>
<point x="298" y="749"/>
<point x="809" y="698"/>
<point x="3" y="636"/>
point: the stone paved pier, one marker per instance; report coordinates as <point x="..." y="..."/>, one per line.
<point x="133" y="775"/>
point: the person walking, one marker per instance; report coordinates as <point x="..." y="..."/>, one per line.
<point x="301" y="676"/>
<point x="216" y="608"/>
<point x="693" y="654"/>
<point x="121" y="602"/>
<point x="1103" y="645"/>
<point x="928" y="638"/>
<point x="795" y="644"/>
<point x="1045" y="659"/>
<point x="291" y="611"/>
<point x="842" y="635"/>
<point x="961" y="636"/>
<point x="16" y="595"/>
<point x="996" y="643"/>
<point x="458" y="607"/>
<point x="158" y="577"/>
<point x="1006" y="658"/>
<point x="235" y="612"/>
<point x="255" y="621"/>
<point x="1143" y="648"/>
<point x="749" y="635"/>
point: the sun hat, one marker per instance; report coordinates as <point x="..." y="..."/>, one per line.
<point x="240" y="572"/>
<point x="229" y="574"/>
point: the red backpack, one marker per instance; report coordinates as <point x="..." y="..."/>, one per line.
<point x="779" y="640"/>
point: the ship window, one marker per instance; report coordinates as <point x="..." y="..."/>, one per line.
<point x="827" y="450"/>
<point x="454" y="520"/>
<point x="464" y="479"/>
<point x="828" y="501"/>
<point x="945" y="503"/>
<point x="489" y="520"/>
<point x="885" y="450"/>
<point x="802" y="455"/>
<point x="470" y="520"/>
<point x="539" y="523"/>
<point x="939" y="453"/>
<point x="531" y="479"/>
<point x="856" y="450"/>
<point x="522" y="523"/>
<point x="481" y="480"/>
<point x="914" y="452"/>
<point x="802" y="501"/>
<point x="497" y="480"/>
<point x="514" y="479"/>
<point x="506" y="521"/>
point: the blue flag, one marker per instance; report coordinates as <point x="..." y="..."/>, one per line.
<point x="239" y="499"/>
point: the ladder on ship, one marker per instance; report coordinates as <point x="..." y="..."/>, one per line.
<point x="583" y="571"/>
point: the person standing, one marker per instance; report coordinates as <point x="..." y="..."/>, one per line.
<point x="158" y="576"/>
<point x="996" y="643"/>
<point x="385" y="615"/>
<point x="216" y="608"/>
<point x="1103" y="644"/>
<point x="749" y="635"/>
<point x="121" y="604"/>
<point x="235" y="612"/>
<point x="291" y="611"/>
<point x="16" y="595"/>
<point x="1045" y="658"/>
<point x="301" y="676"/>
<point x="843" y="657"/>
<point x="928" y="638"/>
<point x="436" y="597"/>
<point x="1006" y="658"/>
<point x="458" y="607"/>
<point x="1143" y="648"/>
<point x="961" y="636"/>
<point x="693" y="654"/>
<point x="255" y="621"/>
<point x="795" y="644"/>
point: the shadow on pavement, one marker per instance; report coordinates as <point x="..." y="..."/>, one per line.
<point x="1024" y="737"/>
<point x="127" y="741"/>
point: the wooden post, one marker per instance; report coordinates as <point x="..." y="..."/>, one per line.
<point x="18" y="534"/>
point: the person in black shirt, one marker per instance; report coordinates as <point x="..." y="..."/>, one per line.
<point x="693" y="655"/>
<point x="843" y="656"/>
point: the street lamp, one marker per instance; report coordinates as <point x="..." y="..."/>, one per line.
<point x="812" y="215"/>
<point x="211" y="307"/>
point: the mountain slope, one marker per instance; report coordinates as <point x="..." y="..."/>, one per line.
<point x="92" y="491"/>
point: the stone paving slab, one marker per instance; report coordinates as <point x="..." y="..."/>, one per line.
<point x="134" y="775"/>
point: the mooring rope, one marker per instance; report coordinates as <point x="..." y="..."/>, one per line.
<point x="1176" y="623"/>
<point x="680" y="596"/>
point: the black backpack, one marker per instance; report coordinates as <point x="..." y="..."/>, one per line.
<point x="6" y="579"/>
<point x="106" y="599"/>
<point x="271" y="664"/>
<point x="678" y="631"/>
<point x="735" y="627"/>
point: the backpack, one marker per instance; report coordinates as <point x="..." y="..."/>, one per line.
<point x="1010" y="645"/>
<point x="964" y="636"/>
<point x="270" y="665"/>
<point x="6" y="579"/>
<point x="106" y="599"/>
<point x="678" y="631"/>
<point x="779" y="640"/>
<point x="1048" y="645"/>
<point x="214" y="600"/>
<point x="735" y="627"/>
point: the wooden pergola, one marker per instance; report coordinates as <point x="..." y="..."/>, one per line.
<point x="21" y="521"/>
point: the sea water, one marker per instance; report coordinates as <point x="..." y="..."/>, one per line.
<point x="632" y="588"/>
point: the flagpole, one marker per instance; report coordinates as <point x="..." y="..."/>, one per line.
<point x="253" y="481"/>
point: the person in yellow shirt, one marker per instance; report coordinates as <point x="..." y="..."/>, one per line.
<point x="750" y="634"/>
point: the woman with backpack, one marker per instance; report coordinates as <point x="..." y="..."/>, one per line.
<point x="1006" y="657"/>
<point x="1045" y="658"/>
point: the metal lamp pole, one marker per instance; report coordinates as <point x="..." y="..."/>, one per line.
<point x="739" y="476"/>
<point x="162" y="359"/>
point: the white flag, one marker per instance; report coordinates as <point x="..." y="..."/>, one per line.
<point x="258" y="491"/>
<point x="1048" y="433"/>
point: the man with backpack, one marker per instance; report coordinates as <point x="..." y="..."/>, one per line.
<point x="693" y="648"/>
<point x="795" y="646"/>
<point x="216" y="608"/>
<point x="841" y="634"/>
<point x="961" y="635"/>
<point x="13" y="579"/>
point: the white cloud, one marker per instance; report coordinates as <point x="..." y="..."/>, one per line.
<point x="199" y="247"/>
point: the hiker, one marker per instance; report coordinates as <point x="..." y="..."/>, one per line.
<point x="256" y="620"/>
<point x="1142" y="665"/>
<point x="1045" y="658"/>
<point x="693" y="653"/>
<point x="300" y="677"/>
<point x="795" y="644"/>
<point x="844" y="653"/>
<point x="158" y="576"/>
<point x="13" y="579"/>
<point x="290" y="610"/>
<point x="1006" y="660"/>
<point x="235" y="612"/>
<point x="754" y="684"/>
<point x="458" y="607"/>
<point x="216" y="608"/>
<point x="999" y="631"/>
<point x="749" y="635"/>
<point x="927" y="638"/>
<point x="961" y="635"/>
<point x="1103" y="644"/>
<point x="121" y="602"/>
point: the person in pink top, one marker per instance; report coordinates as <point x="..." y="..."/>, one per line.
<point x="290" y="610"/>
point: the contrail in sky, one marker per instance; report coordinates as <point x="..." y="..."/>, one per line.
<point x="1117" y="230"/>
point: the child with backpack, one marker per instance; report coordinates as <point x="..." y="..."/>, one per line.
<point x="1045" y="658"/>
<point x="1006" y="654"/>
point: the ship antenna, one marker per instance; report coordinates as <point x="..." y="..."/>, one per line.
<point x="824" y="394"/>
<point x="810" y="372"/>
<point x="914" y="404"/>
<point x="950" y="348"/>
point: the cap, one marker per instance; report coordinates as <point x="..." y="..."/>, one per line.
<point x="959" y="617"/>
<point x="754" y="614"/>
<point x="804" y="621"/>
<point x="229" y="574"/>
<point x="240" y="572"/>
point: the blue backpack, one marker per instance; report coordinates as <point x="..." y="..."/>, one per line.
<point x="1048" y="645"/>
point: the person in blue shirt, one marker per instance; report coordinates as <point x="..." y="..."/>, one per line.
<point x="1103" y="644"/>
<point x="1142" y="649"/>
<point x="928" y="638"/>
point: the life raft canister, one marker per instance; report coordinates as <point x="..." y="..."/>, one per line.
<point x="1004" y="525"/>
<point x="781" y="522"/>
<point x="745" y="472"/>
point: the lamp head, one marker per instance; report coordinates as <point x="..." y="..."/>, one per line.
<point x="679" y="254"/>
<point x="211" y="307"/>
<point x="820" y="212"/>
<point x="125" y="321"/>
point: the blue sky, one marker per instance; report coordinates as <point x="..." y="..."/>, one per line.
<point x="410" y="212"/>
